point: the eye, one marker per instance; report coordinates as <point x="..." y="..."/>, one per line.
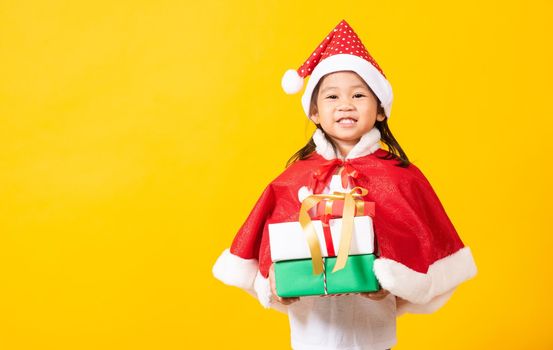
<point x="332" y="97"/>
<point x="359" y="95"/>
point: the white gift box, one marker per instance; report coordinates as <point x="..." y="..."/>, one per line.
<point x="289" y="242"/>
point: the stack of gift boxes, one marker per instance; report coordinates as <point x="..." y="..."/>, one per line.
<point x="294" y="254"/>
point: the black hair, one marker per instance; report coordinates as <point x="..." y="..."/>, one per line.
<point x="386" y="136"/>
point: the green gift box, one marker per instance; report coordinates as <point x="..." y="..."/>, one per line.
<point x="294" y="268"/>
<point x="295" y="278"/>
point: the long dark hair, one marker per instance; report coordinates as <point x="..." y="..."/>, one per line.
<point x="394" y="149"/>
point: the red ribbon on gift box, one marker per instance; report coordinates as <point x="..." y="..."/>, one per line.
<point x="332" y="209"/>
<point x="338" y="207"/>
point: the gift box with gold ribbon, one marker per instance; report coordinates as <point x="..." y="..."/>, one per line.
<point x="327" y="256"/>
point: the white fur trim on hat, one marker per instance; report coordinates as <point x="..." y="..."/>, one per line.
<point x="421" y="288"/>
<point x="346" y="62"/>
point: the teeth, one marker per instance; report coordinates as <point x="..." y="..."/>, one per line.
<point x="346" y="121"/>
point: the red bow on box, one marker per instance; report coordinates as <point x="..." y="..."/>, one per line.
<point x="325" y="171"/>
<point x="333" y="209"/>
<point x="350" y="206"/>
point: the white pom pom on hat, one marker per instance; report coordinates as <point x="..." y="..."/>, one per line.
<point x="341" y="50"/>
<point x="291" y="82"/>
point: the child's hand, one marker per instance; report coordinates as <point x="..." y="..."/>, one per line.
<point x="400" y="301"/>
<point x="283" y="301"/>
<point x="378" y="295"/>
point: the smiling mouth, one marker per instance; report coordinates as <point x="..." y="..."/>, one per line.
<point x="347" y="120"/>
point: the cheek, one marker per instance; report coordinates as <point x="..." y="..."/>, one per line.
<point x="325" y="113"/>
<point x="368" y="111"/>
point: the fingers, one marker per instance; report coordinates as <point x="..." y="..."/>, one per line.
<point x="287" y="301"/>
<point x="272" y="280"/>
<point x="378" y="295"/>
<point x="283" y="301"/>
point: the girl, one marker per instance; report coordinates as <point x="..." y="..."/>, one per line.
<point x="420" y="257"/>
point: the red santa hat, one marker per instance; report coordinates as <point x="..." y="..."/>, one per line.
<point x="341" y="50"/>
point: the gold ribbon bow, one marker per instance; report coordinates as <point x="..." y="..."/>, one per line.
<point x="351" y="200"/>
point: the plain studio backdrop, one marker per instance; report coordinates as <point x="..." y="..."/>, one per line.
<point x="135" y="137"/>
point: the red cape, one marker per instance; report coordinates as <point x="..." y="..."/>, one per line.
<point x="410" y="224"/>
<point x="420" y="256"/>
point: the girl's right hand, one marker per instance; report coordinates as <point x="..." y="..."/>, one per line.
<point x="283" y="301"/>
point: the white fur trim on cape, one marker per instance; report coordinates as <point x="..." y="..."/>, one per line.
<point x="323" y="146"/>
<point x="421" y="288"/>
<point x="346" y="62"/>
<point x="235" y="271"/>
<point x="369" y="143"/>
<point x="428" y="308"/>
<point x="244" y="273"/>
<point x="263" y="290"/>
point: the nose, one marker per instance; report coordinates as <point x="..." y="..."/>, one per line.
<point x="345" y="106"/>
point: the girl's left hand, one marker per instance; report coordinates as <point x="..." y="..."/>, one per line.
<point x="274" y="295"/>
<point x="378" y="295"/>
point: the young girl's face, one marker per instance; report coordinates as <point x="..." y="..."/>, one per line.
<point x="346" y="108"/>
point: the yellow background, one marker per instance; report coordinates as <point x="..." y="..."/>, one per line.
<point x="135" y="136"/>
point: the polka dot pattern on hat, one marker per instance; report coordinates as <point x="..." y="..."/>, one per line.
<point x="341" y="40"/>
